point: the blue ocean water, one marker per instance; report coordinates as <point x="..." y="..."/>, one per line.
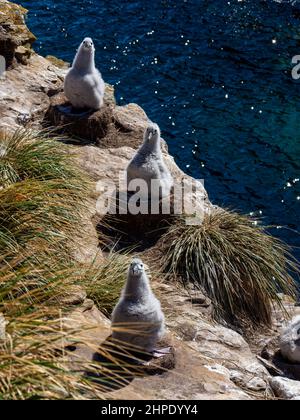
<point x="215" y="75"/>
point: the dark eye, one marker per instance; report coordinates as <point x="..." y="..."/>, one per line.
<point x="298" y="332"/>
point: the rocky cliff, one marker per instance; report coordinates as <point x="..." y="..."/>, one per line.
<point x="211" y="361"/>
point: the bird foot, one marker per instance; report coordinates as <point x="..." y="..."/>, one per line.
<point x="161" y="352"/>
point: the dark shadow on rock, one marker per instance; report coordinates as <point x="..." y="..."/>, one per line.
<point x="276" y="364"/>
<point x="69" y="110"/>
<point x="202" y="301"/>
<point x="290" y="370"/>
<point x="140" y="231"/>
<point x="119" y="366"/>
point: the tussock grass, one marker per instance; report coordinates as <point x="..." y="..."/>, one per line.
<point x="42" y="199"/>
<point x="38" y="155"/>
<point x="42" y="191"/>
<point x="37" y="209"/>
<point x="34" y="363"/>
<point x="238" y="264"/>
<point x="42" y="195"/>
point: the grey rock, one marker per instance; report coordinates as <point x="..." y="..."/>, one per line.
<point x="290" y="341"/>
<point x="248" y="381"/>
<point x="285" y="388"/>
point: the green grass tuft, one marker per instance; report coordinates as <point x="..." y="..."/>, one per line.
<point x="37" y="155"/>
<point x="42" y="191"/>
<point x="238" y="264"/>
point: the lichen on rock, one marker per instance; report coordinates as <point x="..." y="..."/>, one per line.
<point x="15" y="37"/>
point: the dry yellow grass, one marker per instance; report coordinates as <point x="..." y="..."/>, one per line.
<point x="41" y="202"/>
